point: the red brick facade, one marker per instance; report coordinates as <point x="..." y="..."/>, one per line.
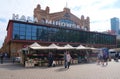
<point x="44" y="14"/>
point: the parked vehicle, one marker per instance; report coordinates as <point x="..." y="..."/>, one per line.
<point x="17" y="59"/>
<point x="112" y="54"/>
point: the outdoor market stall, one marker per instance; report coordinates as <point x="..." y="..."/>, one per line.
<point x="36" y="54"/>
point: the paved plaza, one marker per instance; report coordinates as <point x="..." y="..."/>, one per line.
<point x="81" y="71"/>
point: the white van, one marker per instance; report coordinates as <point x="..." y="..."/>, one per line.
<point x="112" y="53"/>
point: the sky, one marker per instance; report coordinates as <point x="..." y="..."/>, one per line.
<point x="99" y="11"/>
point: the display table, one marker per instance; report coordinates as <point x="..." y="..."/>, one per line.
<point x="43" y="63"/>
<point x="29" y="64"/>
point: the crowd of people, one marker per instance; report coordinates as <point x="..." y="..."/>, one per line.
<point x="103" y="57"/>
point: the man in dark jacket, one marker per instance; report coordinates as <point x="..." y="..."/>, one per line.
<point x="116" y="57"/>
<point x="50" y="59"/>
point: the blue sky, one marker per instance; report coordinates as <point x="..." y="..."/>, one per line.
<point x="99" y="11"/>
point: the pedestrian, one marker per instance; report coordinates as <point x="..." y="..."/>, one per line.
<point x="68" y="59"/>
<point x="1" y="57"/>
<point x="50" y="59"/>
<point x="116" y="56"/>
<point x="65" y="59"/>
<point x="100" y="57"/>
<point x="79" y="58"/>
<point x="13" y="59"/>
<point x="6" y="55"/>
<point x="105" y="56"/>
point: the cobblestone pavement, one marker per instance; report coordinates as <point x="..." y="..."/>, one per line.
<point x="81" y="71"/>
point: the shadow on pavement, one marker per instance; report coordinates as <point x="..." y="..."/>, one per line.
<point x="11" y="66"/>
<point x="18" y="66"/>
<point x="61" y="69"/>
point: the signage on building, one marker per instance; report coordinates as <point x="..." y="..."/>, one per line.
<point x="64" y="24"/>
<point x="22" y="18"/>
<point x="50" y="22"/>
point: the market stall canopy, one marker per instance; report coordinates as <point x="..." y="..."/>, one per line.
<point x="68" y="46"/>
<point x="36" y="46"/>
<point x="81" y="47"/>
<point x="52" y="46"/>
<point x="92" y="48"/>
<point x="95" y="50"/>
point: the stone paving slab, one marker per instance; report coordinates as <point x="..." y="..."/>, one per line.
<point x="81" y="71"/>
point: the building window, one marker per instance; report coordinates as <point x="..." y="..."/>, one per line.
<point x="54" y="34"/>
<point x="22" y="37"/>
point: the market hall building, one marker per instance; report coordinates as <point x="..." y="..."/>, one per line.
<point x="60" y="28"/>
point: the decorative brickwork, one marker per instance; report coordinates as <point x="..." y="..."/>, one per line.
<point x="42" y="15"/>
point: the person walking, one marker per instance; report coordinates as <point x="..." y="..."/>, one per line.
<point x="50" y="59"/>
<point x="116" y="56"/>
<point x="100" y="57"/>
<point x="6" y="55"/>
<point x="105" y="56"/>
<point x="1" y="57"/>
<point x="68" y="59"/>
<point x="13" y="59"/>
<point x="65" y="59"/>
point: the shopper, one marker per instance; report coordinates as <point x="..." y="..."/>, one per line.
<point x="68" y="59"/>
<point x="50" y="59"/>
<point x="65" y="59"/>
<point x="100" y="57"/>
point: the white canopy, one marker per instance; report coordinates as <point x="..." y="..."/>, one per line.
<point x="81" y="47"/>
<point x="92" y="48"/>
<point x="68" y="46"/>
<point x="52" y="46"/>
<point x="36" y="46"/>
<point x="95" y="50"/>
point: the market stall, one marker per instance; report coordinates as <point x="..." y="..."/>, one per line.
<point x="37" y="55"/>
